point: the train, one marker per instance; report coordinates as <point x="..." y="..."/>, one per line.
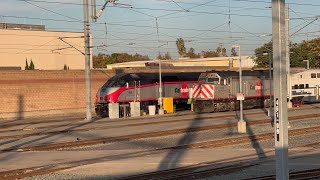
<point x="219" y="90"/>
<point x="124" y="88"/>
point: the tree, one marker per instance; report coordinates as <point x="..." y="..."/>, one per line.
<point x="102" y="60"/>
<point x="306" y="50"/>
<point x="233" y="52"/>
<point x="191" y="53"/>
<point x="165" y="57"/>
<point x="207" y="54"/>
<point x="31" y="67"/>
<point x="261" y="59"/>
<point x="27" y="66"/>
<point x="181" y="47"/>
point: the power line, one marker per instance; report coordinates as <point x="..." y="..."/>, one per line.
<point x="51" y="11"/>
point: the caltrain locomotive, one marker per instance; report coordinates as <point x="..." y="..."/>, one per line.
<point x="144" y="88"/>
<point x="217" y="90"/>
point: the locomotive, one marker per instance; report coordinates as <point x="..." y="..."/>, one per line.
<point x="217" y="90"/>
<point x="124" y="88"/>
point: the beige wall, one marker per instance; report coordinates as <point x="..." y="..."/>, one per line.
<point x="43" y="47"/>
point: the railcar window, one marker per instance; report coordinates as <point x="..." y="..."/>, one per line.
<point x="307" y="86"/>
<point x="301" y="86"/>
<point x="318" y="75"/>
<point x="295" y="87"/>
<point x="313" y="75"/>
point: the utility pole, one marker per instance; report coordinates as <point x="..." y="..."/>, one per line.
<point x="288" y="55"/>
<point x="161" y="110"/>
<point x="242" y="128"/>
<point x="87" y="59"/>
<point x="269" y="54"/>
<point x="280" y="89"/>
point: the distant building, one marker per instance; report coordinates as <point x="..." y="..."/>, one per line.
<point x="21" y="42"/>
<point x="232" y="62"/>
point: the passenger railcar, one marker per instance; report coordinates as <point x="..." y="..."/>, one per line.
<point x="144" y="87"/>
<point x="217" y="90"/>
<point x="304" y="86"/>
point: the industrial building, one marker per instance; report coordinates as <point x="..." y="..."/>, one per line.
<point x="48" y="50"/>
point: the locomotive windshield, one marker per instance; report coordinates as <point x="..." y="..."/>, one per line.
<point x="114" y="83"/>
<point x="213" y="80"/>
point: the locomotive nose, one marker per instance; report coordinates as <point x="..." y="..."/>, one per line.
<point x="108" y="94"/>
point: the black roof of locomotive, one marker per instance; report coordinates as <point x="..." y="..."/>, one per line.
<point x="165" y="75"/>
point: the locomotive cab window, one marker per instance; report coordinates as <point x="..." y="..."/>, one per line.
<point x="213" y="80"/>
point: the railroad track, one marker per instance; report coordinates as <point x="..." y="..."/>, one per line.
<point x="110" y="126"/>
<point x="298" y="175"/>
<point x="77" y="129"/>
<point x="241" y="139"/>
<point x="96" y="119"/>
<point x="202" y="170"/>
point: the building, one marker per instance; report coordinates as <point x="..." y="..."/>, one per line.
<point x="247" y="62"/>
<point x="47" y="49"/>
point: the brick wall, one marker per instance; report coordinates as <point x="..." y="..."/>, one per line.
<point x="29" y="91"/>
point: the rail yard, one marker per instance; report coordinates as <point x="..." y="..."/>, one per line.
<point x="184" y="145"/>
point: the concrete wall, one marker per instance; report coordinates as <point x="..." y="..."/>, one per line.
<point x="42" y="47"/>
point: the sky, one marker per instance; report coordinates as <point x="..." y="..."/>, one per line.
<point x="150" y="27"/>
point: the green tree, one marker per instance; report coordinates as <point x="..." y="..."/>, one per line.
<point x="164" y="57"/>
<point x="181" y="47"/>
<point x="102" y="60"/>
<point x="167" y="56"/>
<point x="221" y="51"/>
<point x="233" y="52"/>
<point x="306" y="50"/>
<point x="191" y="53"/>
<point x="261" y="59"/>
<point x="27" y="66"/>
<point x="207" y="54"/>
<point x="31" y="67"/>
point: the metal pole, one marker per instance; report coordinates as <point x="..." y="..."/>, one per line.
<point x="87" y="59"/>
<point x="240" y="76"/>
<point x="241" y="123"/>
<point x="161" y="110"/>
<point x="287" y="20"/>
<point x="280" y="89"/>
<point x="270" y="80"/>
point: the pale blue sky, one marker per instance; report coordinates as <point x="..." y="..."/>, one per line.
<point x="203" y="24"/>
